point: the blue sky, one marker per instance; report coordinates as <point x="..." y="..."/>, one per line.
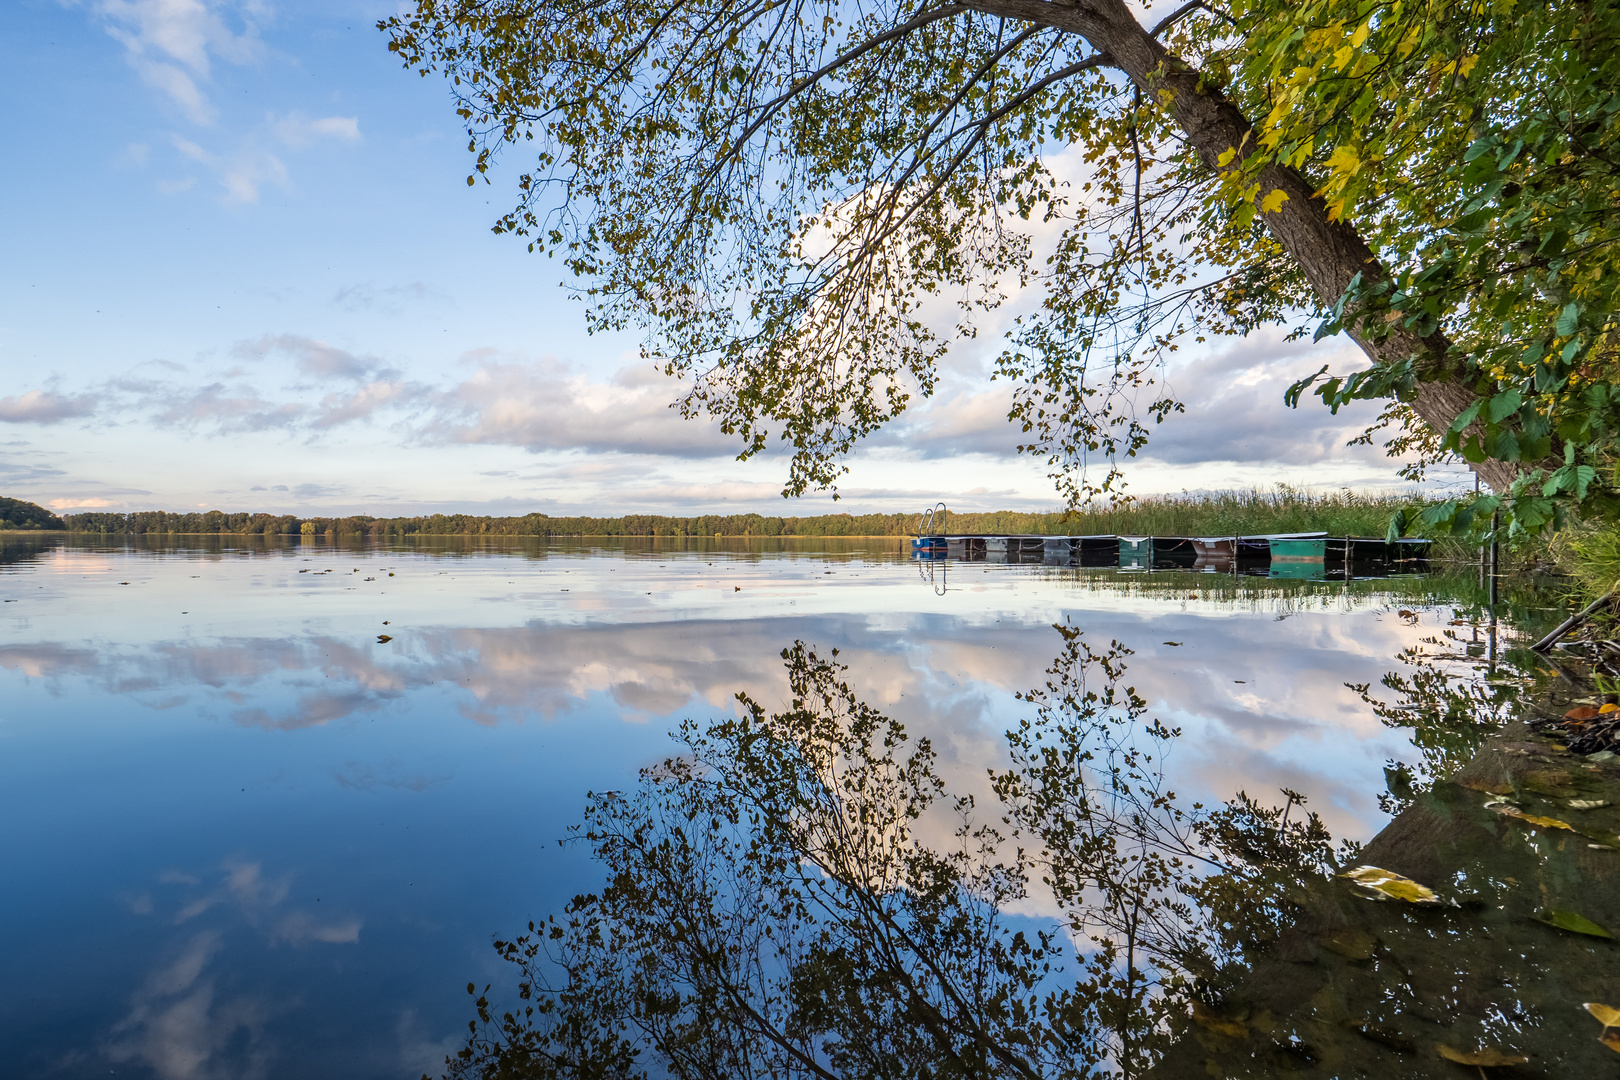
<point x="243" y="270"/>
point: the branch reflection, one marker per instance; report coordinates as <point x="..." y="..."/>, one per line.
<point x="782" y="900"/>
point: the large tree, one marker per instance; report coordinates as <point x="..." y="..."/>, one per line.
<point x="805" y="202"/>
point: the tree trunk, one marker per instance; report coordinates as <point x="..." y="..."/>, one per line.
<point x="1330" y="253"/>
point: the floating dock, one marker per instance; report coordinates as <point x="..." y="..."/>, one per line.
<point x="1282" y="555"/>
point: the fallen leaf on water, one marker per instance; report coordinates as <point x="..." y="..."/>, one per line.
<point x="383" y="639"/>
<point x="1581" y="712"/>
<point x="1534" y="819"/>
<point x="1489" y="789"/>
<point x="1209" y="1018"/>
<point x="1607" y="1015"/>
<point x="1571" y="921"/>
<point x="1393" y="885"/>
<point x="1487" y="1057"/>
<point x="1350" y="942"/>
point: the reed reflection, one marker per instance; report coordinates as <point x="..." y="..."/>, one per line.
<point x="803" y="893"/>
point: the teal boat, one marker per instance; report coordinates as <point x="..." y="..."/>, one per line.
<point x="1298" y="570"/>
<point x="1299" y="550"/>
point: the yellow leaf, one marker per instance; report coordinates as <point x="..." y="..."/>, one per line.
<point x="1486" y="1057"/>
<point x="1533" y="819"/>
<point x="1607" y="1015"/>
<point x="1610" y="707"/>
<point x="1273" y="201"/>
<point x="1344" y="160"/>
<point x="1393" y="885"/>
<point x="1210" y="1019"/>
<point x="1359" y="38"/>
<point x="1226" y="157"/>
<point x="1611" y="1039"/>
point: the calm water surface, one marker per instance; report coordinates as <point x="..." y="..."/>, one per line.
<point x="243" y="836"/>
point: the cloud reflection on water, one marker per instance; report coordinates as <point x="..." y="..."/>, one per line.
<point x="1251" y="695"/>
<point x="284" y="745"/>
<point x="183" y="1023"/>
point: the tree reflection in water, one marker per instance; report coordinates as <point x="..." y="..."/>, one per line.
<point x="800" y="895"/>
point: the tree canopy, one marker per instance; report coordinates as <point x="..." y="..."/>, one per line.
<point x="806" y="203"/>
<point x="17" y="514"/>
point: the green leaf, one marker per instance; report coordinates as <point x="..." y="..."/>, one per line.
<point x="1481" y="145"/>
<point x="1466" y="417"/>
<point x="1572" y="921"/>
<point x="1505" y="404"/>
<point x="1503" y="446"/>
<point x="1584" y="475"/>
<point x="1568" y="319"/>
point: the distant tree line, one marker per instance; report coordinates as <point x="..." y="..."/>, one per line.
<point x="244" y="524"/>
<point x="1283" y="509"/>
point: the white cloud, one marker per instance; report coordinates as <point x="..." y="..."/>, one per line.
<point x="248" y="172"/>
<point x="362" y="403"/>
<point x="545" y="406"/>
<point x="227" y="409"/>
<point x="314" y="357"/>
<point x="192" y="150"/>
<point x="78" y="504"/>
<point x="391" y="299"/>
<point x="45" y="407"/>
<point x="296" y="129"/>
<point x="172" y="43"/>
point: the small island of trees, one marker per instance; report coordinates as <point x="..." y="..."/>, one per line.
<point x="16" y="514"/>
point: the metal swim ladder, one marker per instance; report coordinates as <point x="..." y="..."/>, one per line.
<point x="925" y="527"/>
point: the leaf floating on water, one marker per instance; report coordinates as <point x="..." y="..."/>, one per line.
<point x="1390" y="884"/>
<point x="1208" y="1018"/>
<point x="1486" y="1057"/>
<point x="383" y="639"/>
<point x="1489" y="789"/>
<point x="1572" y="921"/>
<point x="1509" y="810"/>
<point x="1607" y="1015"/>
<point x="1351" y="942"/>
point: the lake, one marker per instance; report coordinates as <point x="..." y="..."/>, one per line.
<point x="263" y="808"/>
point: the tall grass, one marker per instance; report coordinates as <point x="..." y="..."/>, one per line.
<point x="1286" y="509"/>
<point x="1592" y="556"/>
